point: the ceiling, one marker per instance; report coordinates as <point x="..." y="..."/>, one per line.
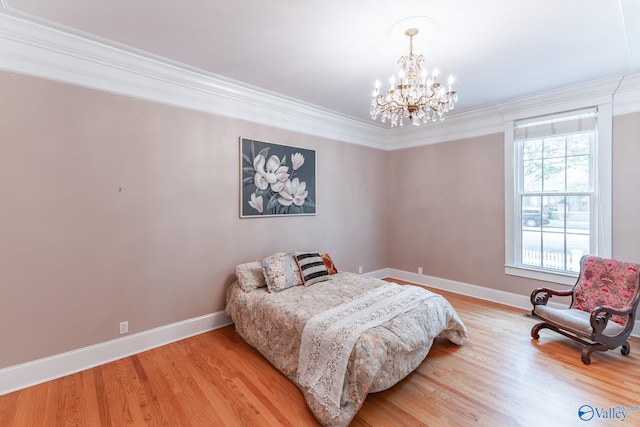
<point x="329" y="53"/>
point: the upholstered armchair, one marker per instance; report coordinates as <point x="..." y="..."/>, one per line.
<point x="601" y="315"/>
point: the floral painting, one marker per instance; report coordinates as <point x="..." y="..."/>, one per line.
<point x="276" y="179"/>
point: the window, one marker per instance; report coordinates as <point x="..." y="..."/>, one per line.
<point x="557" y="209"/>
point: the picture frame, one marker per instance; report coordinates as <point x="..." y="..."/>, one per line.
<point x="276" y="179"/>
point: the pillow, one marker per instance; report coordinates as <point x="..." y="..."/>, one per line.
<point x="312" y="268"/>
<point x="280" y="272"/>
<point x="331" y="267"/>
<point x="250" y="276"/>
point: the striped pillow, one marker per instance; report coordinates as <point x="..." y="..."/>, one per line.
<point x="312" y="268"/>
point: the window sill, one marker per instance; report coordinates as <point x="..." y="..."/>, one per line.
<point x="545" y="276"/>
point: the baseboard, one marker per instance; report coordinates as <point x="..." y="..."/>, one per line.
<point x="38" y="371"/>
<point x="475" y="291"/>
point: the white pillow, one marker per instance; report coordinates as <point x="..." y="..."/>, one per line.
<point x="250" y="276"/>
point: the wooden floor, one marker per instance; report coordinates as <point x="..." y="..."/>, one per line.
<point x="500" y="377"/>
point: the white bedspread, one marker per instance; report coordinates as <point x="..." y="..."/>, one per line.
<point x="328" y="338"/>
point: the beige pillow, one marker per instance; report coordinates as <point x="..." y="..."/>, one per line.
<point x="250" y="276"/>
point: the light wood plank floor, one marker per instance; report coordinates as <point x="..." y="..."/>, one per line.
<point x="500" y="377"/>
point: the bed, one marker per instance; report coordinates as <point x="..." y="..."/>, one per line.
<point x="294" y="327"/>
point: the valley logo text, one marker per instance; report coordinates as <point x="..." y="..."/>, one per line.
<point x="588" y="412"/>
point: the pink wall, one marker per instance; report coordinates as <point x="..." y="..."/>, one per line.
<point x="77" y="255"/>
<point x="447" y="208"/>
<point x="626" y="192"/>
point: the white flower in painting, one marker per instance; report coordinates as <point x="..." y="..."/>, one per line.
<point x="293" y="192"/>
<point x="256" y="202"/>
<point x="297" y="160"/>
<point x="269" y="173"/>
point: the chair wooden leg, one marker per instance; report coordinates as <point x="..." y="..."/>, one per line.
<point x="536" y="329"/>
<point x="590" y="348"/>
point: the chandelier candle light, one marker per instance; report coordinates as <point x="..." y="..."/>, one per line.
<point x="416" y="97"/>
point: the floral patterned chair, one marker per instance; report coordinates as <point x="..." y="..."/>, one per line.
<point x="603" y="306"/>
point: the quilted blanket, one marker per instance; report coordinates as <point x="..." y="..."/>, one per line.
<point x="382" y="355"/>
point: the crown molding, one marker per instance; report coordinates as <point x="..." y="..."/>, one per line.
<point x="61" y="54"/>
<point x="626" y="99"/>
<point x="466" y="124"/>
<point x="568" y="98"/>
<point x="623" y="92"/>
<point x="50" y="51"/>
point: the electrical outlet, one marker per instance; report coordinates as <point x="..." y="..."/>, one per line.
<point x="419" y="270"/>
<point x="124" y="327"/>
<point x="360" y="270"/>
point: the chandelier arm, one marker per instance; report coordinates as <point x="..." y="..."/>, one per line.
<point x="423" y="100"/>
<point x="391" y="105"/>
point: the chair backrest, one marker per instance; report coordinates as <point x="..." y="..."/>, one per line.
<point x="604" y="281"/>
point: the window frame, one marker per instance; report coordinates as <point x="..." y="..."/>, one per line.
<point x="602" y="199"/>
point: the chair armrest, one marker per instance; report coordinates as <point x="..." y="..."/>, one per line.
<point x="599" y="321"/>
<point x="540" y="296"/>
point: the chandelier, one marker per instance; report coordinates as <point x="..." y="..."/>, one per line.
<point x="416" y="97"/>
